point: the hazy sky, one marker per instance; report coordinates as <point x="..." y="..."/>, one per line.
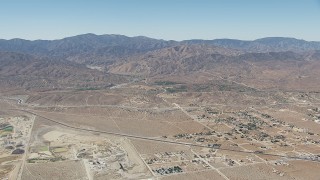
<point x="163" y="19"/>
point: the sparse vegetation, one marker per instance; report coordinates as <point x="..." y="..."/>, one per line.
<point x="87" y="89"/>
<point x="165" y="83"/>
<point x="177" y="89"/>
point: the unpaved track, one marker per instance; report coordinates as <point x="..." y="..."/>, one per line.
<point x="26" y="150"/>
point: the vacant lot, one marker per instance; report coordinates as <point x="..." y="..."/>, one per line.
<point x="256" y="171"/>
<point x="73" y="170"/>
<point x="203" y="175"/>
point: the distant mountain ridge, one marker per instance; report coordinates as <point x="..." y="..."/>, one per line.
<point x="269" y="44"/>
<point x="100" y="61"/>
<point x="144" y="55"/>
<point x="89" y="43"/>
<point x="80" y="44"/>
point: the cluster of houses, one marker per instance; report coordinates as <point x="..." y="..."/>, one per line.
<point x="169" y="170"/>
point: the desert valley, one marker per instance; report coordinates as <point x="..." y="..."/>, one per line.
<point x="117" y="107"/>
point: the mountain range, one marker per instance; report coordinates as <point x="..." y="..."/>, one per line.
<point x="99" y="61"/>
<point x="120" y="45"/>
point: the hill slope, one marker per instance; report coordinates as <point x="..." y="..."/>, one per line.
<point x="25" y="71"/>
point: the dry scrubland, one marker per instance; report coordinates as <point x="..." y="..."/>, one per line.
<point x="117" y="107"/>
<point x="177" y="127"/>
<point x="57" y="170"/>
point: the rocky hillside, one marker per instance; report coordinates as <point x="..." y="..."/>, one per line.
<point x="191" y="58"/>
<point x="29" y="72"/>
<point x="92" y="61"/>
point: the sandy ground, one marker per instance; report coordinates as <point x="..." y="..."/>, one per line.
<point x="71" y="170"/>
<point x="203" y="175"/>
